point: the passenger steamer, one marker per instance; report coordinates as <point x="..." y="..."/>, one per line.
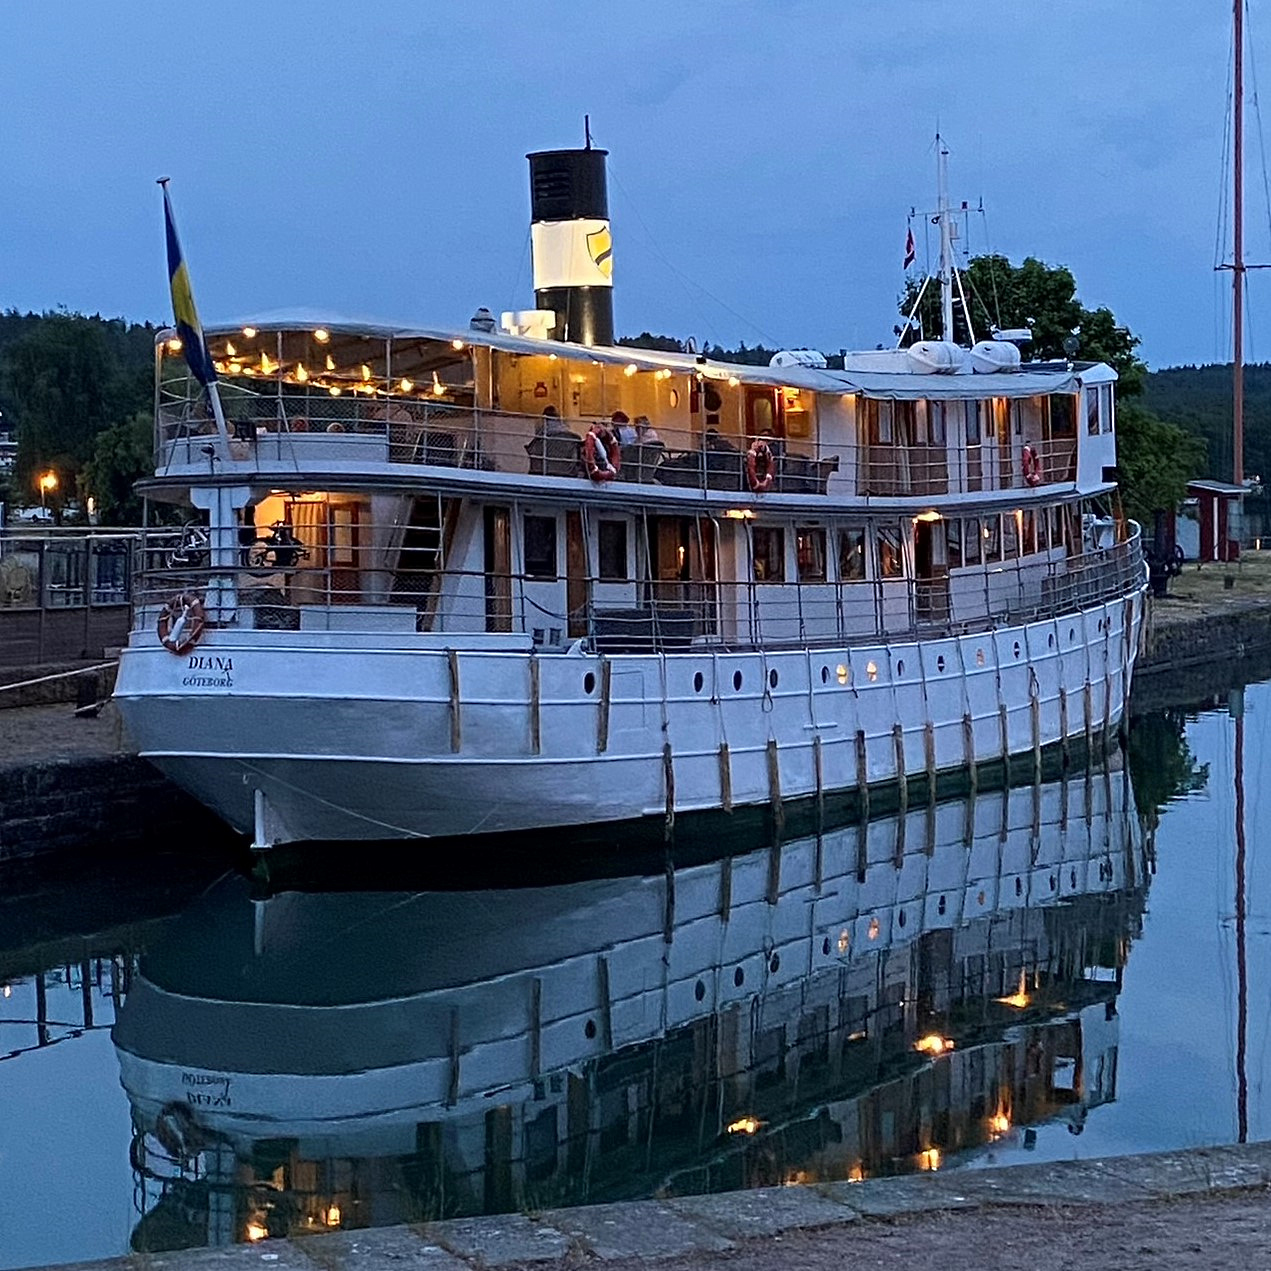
<point x="484" y="605"/>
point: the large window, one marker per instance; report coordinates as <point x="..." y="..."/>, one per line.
<point x="992" y="539"/>
<point x="1092" y="411"/>
<point x="890" y="563"/>
<point x="852" y="556"/>
<point x="540" y="548"/>
<point x="612" y="541"/>
<point x="972" y="541"/>
<point x="770" y="554"/>
<point x="810" y="550"/>
<point x="953" y="543"/>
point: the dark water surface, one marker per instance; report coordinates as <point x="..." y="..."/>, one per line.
<point x="1046" y="973"/>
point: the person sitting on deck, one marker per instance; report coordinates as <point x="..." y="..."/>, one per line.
<point x="645" y="433"/>
<point x="550" y="423"/>
<point x="623" y="428"/>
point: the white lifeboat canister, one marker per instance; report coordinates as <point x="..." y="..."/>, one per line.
<point x="989" y="357"/>
<point x="936" y="357"/>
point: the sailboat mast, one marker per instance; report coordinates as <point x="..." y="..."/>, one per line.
<point x="1238" y="261"/>
<point x="946" y="239"/>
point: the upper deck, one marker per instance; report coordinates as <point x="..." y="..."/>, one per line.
<point x="484" y="410"/>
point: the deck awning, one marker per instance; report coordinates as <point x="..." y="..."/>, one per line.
<point x="956" y="388"/>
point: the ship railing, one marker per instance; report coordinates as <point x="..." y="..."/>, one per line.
<point x="343" y="587"/>
<point x="315" y="430"/>
<point x="913" y="470"/>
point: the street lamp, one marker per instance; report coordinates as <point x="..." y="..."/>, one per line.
<point x="48" y="483"/>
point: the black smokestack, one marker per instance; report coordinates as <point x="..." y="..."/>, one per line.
<point x="573" y="252"/>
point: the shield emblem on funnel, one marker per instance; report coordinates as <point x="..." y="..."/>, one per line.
<point x="600" y="249"/>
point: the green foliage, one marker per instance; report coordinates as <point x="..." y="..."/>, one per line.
<point x="1042" y="297"/>
<point x="1156" y="459"/>
<point x="65" y="378"/>
<point x="1161" y="764"/>
<point x="122" y="455"/>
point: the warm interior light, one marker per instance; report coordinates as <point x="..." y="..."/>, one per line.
<point x="551" y="357"/>
<point x="927" y="516"/>
<point x="438" y="387"/>
<point x="230" y="349"/>
<point x="366" y="371"/>
<point x="871" y="669"/>
<point x="174" y="346"/>
<point x="407" y="386"/>
<point x="845" y="940"/>
<point x="330" y="362"/>
<point x="456" y="343"/>
<point x="322" y="335"/>
<point x="1019" y="998"/>
<point x="733" y="381"/>
<point x="739" y="514"/>
<point x="250" y="332"/>
<point x="933" y="1044"/>
<point x="746" y="1125"/>
<point x="841" y="674"/>
<point x="856" y="1174"/>
<point x="999" y="1124"/>
<point x="302" y="374"/>
<point x="630" y="369"/>
<point x="267" y="365"/>
<point x="334" y="390"/>
<point x="235" y="368"/>
<point x="256" y="1230"/>
<point x="332" y="1216"/>
<point x="929" y="1159"/>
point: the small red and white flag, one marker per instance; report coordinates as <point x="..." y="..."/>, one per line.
<point x="911" y="249"/>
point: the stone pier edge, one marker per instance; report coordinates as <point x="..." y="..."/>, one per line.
<point x="651" y="1230"/>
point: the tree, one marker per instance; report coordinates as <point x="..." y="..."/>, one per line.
<point x="1038" y="296"/>
<point x="122" y="455"/>
<point x="1155" y="460"/>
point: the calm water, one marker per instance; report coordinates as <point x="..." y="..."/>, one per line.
<point x="219" y="1065"/>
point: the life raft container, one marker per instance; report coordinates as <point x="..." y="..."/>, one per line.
<point x="181" y="623"/>
<point x="1031" y="462"/>
<point x="602" y="456"/>
<point x="761" y="466"/>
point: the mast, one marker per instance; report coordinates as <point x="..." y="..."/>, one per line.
<point x="1238" y="261"/>
<point x="946" y="238"/>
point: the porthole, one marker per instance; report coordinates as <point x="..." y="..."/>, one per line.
<point x="772" y="678"/>
<point x="589" y="1028"/>
<point x="698" y="681"/>
<point x="699" y="990"/>
<point x="774" y="963"/>
<point x="1017" y="648"/>
<point x="900" y="918"/>
<point x="825" y="675"/>
<point x="589" y="683"/>
<point x="1054" y="882"/>
<point x="874" y="928"/>
<point x="825" y="947"/>
<point x="737" y="681"/>
<point x="979" y="657"/>
<point x="842" y="674"/>
<point x="845" y="940"/>
<point x="940" y="664"/>
<point x="871" y="669"/>
<point x="1072" y="878"/>
<point x="739" y="977"/>
<point x="1072" y="634"/>
<point x="900" y="667"/>
<point x="1019" y="886"/>
<point x="941" y="906"/>
<point x="1050" y="640"/>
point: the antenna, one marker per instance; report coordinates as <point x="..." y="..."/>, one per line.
<point x="587" y="131"/>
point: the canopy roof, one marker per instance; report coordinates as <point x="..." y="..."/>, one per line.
<point x="883" y="385"/>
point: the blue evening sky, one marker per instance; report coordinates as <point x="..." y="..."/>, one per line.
<point x="368" y="160"/>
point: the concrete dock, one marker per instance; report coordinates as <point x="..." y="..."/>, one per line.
<point x="1206" y="1207"/>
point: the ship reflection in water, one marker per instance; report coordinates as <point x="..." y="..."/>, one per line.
<point x="882" y="1000"/>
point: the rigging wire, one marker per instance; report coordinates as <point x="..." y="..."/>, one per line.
<point x="684" y="280"/>
<point x="520" y="269"/>
<point x="1257" y="112"/>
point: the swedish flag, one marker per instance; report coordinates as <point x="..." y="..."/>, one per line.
<point x="187" y="318"/>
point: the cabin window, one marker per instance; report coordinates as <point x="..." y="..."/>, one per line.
<point x="953" y="543"/>
<point x="1043" y="529"/>
<point x="1016" y="409"/>
<point x="1063" y="415"/>
<point x="852" y="556"/>
<point x="974" y="423"/>
<point x="992" y="535"/>
<point x="612" y="541"/>
<point x="1105" y="406"/>
<point x="1010" y="535"/>
<point x="936" y="427"/>
<point x="972" y="541"/>
<point x="877" y="422"/>
<point x="1028" y="534"/>
<point x="540" y="548"/>
<point x="810" y="550"/>
<point x="1092" y="411"/>
<point x="889" y="559"/>
<point x="769" y="554"/>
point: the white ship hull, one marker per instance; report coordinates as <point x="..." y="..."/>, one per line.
<point x="320" y="739"/>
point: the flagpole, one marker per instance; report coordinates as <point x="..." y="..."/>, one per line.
<point x="213" y="395"/>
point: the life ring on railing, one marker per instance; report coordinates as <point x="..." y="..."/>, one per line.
<point x="1031" y="462"/>
<point x="602" y="456"/>
<point x="761" y="466"/>
<point x="181" y="623"/>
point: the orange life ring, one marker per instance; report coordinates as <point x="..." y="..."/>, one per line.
<point x="600" y="441"/>
<point x="1031" y="462"/>
<point x="760" y="452"/>
<point x="181" y="623"/>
